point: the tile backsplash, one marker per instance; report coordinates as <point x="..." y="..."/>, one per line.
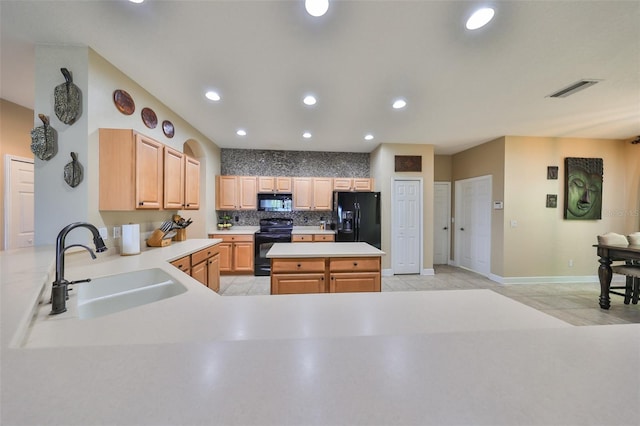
<point x="250" y="162"/>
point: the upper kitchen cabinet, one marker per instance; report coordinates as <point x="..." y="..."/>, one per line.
<point x="352" y="184"/>
<point x="236" y="193"/>
<point x="312" y="193"/>
<point x="274" y="184"/>
<point x="131" y="171"/>
<point x="191" y="183"/>
<point x="173" y="179"/>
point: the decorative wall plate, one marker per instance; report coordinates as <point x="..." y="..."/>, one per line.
<point x="44" y="143"/>
<point x="149" y="118"/>
<point x="167" y="128"/>
<point x="67" y="99"/>
<point x="124" y="102"/>
<point x="73" y="171"/>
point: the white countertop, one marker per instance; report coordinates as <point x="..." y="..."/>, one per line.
<point x="345" y="249"/>
<point x="446" y="357"/>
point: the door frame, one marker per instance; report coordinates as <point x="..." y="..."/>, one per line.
<point x="458" y="198"/>
<point x="449" y="224"/>
<point x="8" y="158"/>
<point x="420" y="221"/>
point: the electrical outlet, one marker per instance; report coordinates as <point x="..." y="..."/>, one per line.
<point x="570" y="263"/>
<point x="103" y="233"/>
<point x="117" y="232"/>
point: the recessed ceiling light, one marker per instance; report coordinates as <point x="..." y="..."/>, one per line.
<point x="136" y="1"/>
<point x="368" y="137"/>
<point x="213" y="96"/>
<point x="306" y="135"/>
<point x="241" y="132"/>
<point x="399" y="103"/>
<point x="316" y="7"/>
<point x="480" y="18"/>
<point x="309" y="100"/>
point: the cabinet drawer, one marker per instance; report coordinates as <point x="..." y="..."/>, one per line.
<point x="305" y="238"/>
<point x="323" y="237"/>
<point x="203" y="254"/>
<point x="234" y="238"/>
<point x="354" y="264"/>
<point x="184" y="263"/>
<point x="298" y="265"/>
<point x="298" y="283"/>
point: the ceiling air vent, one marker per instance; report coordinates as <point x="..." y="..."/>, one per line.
<point x="573" y="88"/>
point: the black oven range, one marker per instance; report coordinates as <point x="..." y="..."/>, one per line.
<point x="272" y="230"/>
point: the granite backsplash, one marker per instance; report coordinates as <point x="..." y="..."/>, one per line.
<point x="250" y="162"/>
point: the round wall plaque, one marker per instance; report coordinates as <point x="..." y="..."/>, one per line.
<point x="167" y="128"/>
<point x="124" y="102"/>
<point x="149" y="118"/>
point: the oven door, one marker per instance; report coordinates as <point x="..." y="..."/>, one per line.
<point x="263" y="243"/>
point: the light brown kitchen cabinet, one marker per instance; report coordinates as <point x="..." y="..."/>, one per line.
<point x="352" y="184"/>
<point x="236" y="253"/>
<point x="191" y="183"/>
<point x="323" y="238"/>
<point x="295" y="276"/>
<point x="131" y="171"/>
<point x="310" y="238"/>
<point x="312" y="193"/>
<point x="203" y="266"/>
<point x="354" y="274"/>
<point x="236" y="193"/>
<point x="213" y="272"/>
<point x="173" y="179"/>
<point x="274" y="184"/>
<point x="184" y="264"/>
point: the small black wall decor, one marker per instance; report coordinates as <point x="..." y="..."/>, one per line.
<point x="583" y="188"/>
<point x="552" y="172"/>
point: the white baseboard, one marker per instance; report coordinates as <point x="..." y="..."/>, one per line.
<point x="550" y="280"/>
<point x="389" y="272"/>
<point x="429" y="271"/>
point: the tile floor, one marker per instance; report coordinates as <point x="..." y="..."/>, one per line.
<point x="575" y="304"/>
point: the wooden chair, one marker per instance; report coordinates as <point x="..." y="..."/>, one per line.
<point x="634" y="240"/>
<point x="631" y="271"/>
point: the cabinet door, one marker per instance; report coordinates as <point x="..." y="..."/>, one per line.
<point x="248" y="192"/>
<point x="199" y="272"/>
<point x="213" y="273"/>
<point x="302" y="193"/>
<point x="266" y="184"/>
<point x="226" y="192"/>
<point x="149" y="173"/>
<point x="191" y="184"/>
<point x="354" y="282"/>
<point x="184" y="264"/>
<point x="243" y="257"/>
<point x="173" y="179"/>
<point x="283" y="184"/>
<point x="225" y="256"/>
<point x="342" y="184"/>
<point x="297" y="283"/>
<point x="322" y="193"/>
<point x="362" y="184"/>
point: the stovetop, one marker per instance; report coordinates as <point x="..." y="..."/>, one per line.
<point x="276" y="225"/>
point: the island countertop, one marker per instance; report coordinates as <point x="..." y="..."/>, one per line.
<point x="301" y="250"/>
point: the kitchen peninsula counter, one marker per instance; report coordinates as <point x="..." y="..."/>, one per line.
<point x="440" y="357"/>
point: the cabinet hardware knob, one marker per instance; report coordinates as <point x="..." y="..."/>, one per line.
<point x="299" y="265"/>
<point x="445" y="228"/>
<point x="141" y="203"/>
<point x="355" y="263"/>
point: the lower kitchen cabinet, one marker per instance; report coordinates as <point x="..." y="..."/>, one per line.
<point x="236" y="253"/>
<point x="203" y="265"/>
<point x="310" y="238"/>
<point x="325" y="275"/>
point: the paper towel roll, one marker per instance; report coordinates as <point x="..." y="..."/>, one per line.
<point x="130" y="239"/>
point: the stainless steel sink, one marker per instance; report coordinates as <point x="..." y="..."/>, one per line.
<point x="115" y="293"/>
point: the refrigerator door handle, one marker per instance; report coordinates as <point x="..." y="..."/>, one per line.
<point x="357" y="205"/>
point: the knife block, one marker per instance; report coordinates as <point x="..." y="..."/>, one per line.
<point x="181" y="235"/>
<point x="156" y="239"/>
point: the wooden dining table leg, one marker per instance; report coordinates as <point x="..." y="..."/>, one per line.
<point x="605" y="275"/>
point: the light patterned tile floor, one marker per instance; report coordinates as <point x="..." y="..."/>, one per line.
<point x="574" y="303"/>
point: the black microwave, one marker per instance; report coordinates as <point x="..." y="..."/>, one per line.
<point x="274" y="202"/>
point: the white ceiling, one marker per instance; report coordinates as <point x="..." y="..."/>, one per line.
<point x="463" y="88"/>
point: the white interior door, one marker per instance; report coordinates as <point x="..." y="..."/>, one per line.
<point x="19" y="203"/>
<point x="473" y="224"/>
<point x="441" y="222"/>
<point x="406" y="230"/>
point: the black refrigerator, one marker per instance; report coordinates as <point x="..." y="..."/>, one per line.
<point x="357" y="217"/>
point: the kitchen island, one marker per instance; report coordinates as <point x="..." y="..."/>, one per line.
<point x="427" y="357"/>
<point x="298" y="268"/>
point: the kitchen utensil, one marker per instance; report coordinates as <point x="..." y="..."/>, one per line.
<point x="67" y="99"/>
<point x="167" y="128"/>
<point x="73" y="171"/>
<point x="124" y="102"/>
<point x="157" y="239"/>
<point x="166" y="226"/>
<point x="170" y="234"/>
<point x="43" y="140"/>
<point x="149" y="118"/>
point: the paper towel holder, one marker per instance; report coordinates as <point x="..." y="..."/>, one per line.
<point x="130" y="240"/>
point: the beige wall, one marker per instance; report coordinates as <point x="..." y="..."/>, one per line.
<point x="383" y="170"/>
<point x="56" y="203"/>
<point x="16" y="123"/>
<point x="442" y="168"/>
<point x="484" y="160"/>
<point x="544" y="242"/>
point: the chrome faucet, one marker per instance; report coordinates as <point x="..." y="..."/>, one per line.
<point x="60" y="292"/>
